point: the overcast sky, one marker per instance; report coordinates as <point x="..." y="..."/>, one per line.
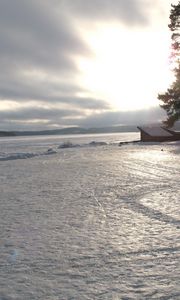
<point x="82" y="63"/>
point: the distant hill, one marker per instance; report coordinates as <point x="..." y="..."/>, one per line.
<point x="72" y="130"/>
<point x="7" y="133"/>
<point x="78" y="130"/>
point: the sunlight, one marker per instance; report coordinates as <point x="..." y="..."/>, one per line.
<point x="8" y="104"/>
<point x="129" y="68"/>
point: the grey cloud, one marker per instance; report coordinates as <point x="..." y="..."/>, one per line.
<point x="38" y="118"/>
<point x="37" y="113"/>
<point x="59" y="118"/>
<point x="73" y="101"/>
<point x="32" y="35"/>
<point x="35" y="36"/>
<point x="40" y="35"/>
<point x="76" y="103"/>
<point x="23" y="89"/>
<point x="14" y="125"/>
<point x="52" y="114"/>
<point x="124" y="118"/>
<point x="127" y="11"/>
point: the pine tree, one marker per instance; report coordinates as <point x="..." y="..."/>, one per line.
<point x="171" y="98"/>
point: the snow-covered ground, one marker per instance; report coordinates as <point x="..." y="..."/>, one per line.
<point x="89" y="221"/>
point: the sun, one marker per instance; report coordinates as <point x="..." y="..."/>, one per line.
<point x="129" y="68"/>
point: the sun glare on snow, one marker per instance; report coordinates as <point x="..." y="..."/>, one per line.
<point x="129" y="68"/>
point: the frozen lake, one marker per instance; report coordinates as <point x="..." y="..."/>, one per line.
<point x="91" y="221"/>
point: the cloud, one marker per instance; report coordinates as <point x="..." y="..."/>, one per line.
<point x="48" y="113"/>
<point x="48" y="92"/>
<point x="137" y="117"/>
<point x="32" y="34"/>
<point x="36" y="56"/>
<point x="36" y="117"/>
<point x="39" y="48"/>
<point x="129" y="12"/>
<point x="36" y="113"/>
<point x="30" y="118"/>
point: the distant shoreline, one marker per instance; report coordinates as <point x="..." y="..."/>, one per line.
<point x="71" y="130"/>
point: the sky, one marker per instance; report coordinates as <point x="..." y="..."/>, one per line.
<point x="95" y="63"/>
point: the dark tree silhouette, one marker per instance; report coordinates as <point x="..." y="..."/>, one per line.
<point x="171" y="98"/>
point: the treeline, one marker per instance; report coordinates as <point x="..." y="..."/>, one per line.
<point x="7" y="133"/>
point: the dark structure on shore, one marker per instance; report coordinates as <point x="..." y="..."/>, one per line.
<point x="158" y="134"/>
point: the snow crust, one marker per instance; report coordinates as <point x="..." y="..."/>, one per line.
<point x="89" y="222"/>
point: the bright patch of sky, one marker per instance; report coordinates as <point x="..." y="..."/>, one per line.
<point x="129" y="68"/>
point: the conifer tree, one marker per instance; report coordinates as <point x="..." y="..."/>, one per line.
<point x="171" y="98"/>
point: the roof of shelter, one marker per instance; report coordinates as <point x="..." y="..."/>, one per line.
<point x="155" y="131"/>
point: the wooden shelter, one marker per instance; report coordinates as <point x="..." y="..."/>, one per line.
<point x="158" y="134"/>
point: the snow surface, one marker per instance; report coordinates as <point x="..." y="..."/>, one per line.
<point x="156" y="131"/>
<point x="96" y="221"/>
